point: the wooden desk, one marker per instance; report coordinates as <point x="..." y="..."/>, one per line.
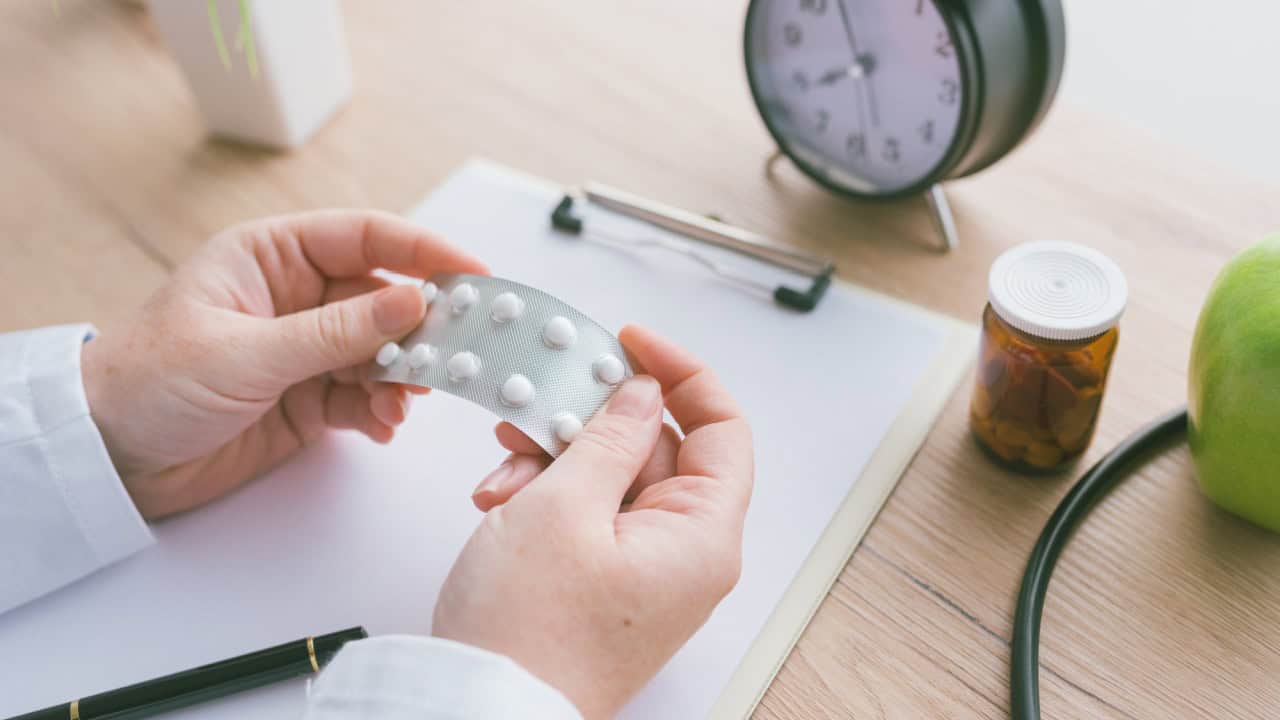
<point x="1163" y="606"/>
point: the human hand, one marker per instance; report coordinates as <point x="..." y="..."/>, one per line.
<point x="254" y="347"/>
<point x="593" y="572"/>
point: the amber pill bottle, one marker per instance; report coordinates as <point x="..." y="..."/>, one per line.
<point x="1049" y="333"/>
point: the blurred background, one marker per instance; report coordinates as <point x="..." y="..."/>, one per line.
<point x="106" y="167"/>
<point x="1200" y="75"/>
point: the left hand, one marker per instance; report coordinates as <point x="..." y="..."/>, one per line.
<point x="593" y="570"/>
<point x="254" y="347"/>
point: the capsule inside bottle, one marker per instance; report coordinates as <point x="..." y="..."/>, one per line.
<point x="1035" y="402"/>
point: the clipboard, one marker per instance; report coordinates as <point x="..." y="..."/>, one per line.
<point x="874" y="485"/>
<point x="840" y="399"/>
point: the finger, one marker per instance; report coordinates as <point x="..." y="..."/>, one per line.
<point x="592" y="475"/>
<point x="352" y="374"/>
<point x="389" y="404"/>
<point x="381" y="434"/>
<point x="512" y="438"/>
<point x="509" y="478"/>
<point x="717" y="442"/>
<point x="339" y="334"/>
<point x="347" y="407"/>
<point x="661" y="464"/>
<point x="348" y="243"/>
<point x="693" y="395"/>
<point x="360" y="375"/>
<point x="344" y="288"/>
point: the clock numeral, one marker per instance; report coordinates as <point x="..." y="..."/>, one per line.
<point x="791" y="33"/>
<point x="919" y="7"/>
<point x="891" y="152"/>
<point x="817" y="7"/>
<point x="926" y="132"/>
<point x="800" y="80"/>
<point x="944" y="47"/>
<point x="856" y="145"/>
<point x="950" y="92"/>
<point x="824" y="119"/>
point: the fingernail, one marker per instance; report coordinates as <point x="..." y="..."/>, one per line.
<point x="403" y="401"/>
<point x="638" y="398"/>
<point x="493" y="481"/>
<point x="397" y="309"/>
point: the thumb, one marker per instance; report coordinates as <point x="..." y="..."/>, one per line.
<point x="594" y="473"/>
<point x="344" y="333"/>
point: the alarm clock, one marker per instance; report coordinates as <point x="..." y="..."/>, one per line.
<point x="884" y="98"/>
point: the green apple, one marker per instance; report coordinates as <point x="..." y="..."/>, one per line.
<point x="1234" y="387"/>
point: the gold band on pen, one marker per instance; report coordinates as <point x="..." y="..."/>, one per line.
<point x="311" y="653"/>
<point x="75" y="710"/>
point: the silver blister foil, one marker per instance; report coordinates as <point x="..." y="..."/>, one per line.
<point x="573" y="379"/>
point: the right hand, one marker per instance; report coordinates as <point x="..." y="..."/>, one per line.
<point x="593" y="572"/>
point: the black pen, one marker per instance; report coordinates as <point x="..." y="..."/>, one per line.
<point x="206" y="682"/>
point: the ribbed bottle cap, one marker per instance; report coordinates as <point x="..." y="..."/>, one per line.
<point x="1057" y="290"/>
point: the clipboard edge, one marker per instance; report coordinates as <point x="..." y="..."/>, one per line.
<point x="859" y="509"/>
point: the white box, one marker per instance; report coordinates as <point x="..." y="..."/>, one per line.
<point x="304" y="74"/>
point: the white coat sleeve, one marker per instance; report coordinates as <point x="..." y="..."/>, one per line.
<point x="401" y="677"/>
<point x="64" y="513"/>
<point x="63" y="510"/>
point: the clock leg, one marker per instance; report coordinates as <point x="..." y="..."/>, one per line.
<point x="934" y="196"/>
<point x="772" y="162"/>
<point x="942" y="217"/>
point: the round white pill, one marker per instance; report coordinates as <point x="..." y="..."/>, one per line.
<point x="463" y="366"/>
<point x="609" y="369"/>
<point x="429" y="292"/>
<point x="506" y="307"/>
<point x="387" y="354"/>
<point x="566" y="426"/>
<point x="559" y="333"/>
<point x="463" y="296"/>
<point x="517" y="391"/>
<point x="420" y="355"/>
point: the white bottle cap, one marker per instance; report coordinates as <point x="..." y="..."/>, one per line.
<point x="1057" y="290"/>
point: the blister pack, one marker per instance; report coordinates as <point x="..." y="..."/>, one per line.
<point x="531" y="359"/>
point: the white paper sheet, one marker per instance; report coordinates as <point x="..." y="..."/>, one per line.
<point x="352" y="533"/>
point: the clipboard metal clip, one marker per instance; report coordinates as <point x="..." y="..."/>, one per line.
<point x="707" y="230"/>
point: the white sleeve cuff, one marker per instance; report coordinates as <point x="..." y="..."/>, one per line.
<point x="63" y="509"/>
<point x="403" y="677"/>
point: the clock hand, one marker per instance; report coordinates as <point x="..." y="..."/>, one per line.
<point x="848" y="29"/>
<point x="867" y="63"/>
<point x="863" y="60"/>
<point x="875" y="109"/>
<point x="834" y="75"/>
<point x="859" y="69"/>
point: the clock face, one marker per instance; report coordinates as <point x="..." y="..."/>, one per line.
<point x="865" y="93"/>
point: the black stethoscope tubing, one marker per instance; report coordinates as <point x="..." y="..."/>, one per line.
<point x="1024" y="682"/>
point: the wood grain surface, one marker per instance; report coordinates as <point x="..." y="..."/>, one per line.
<point x="1163" y="606"/>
